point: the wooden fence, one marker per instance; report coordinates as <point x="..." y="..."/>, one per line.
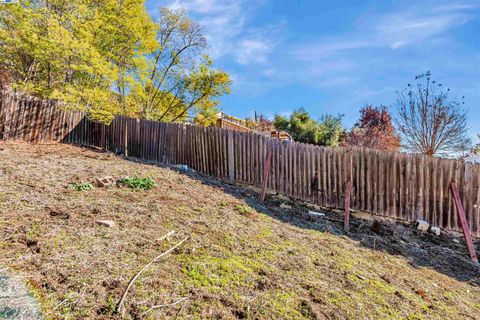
<point x="23" y="117"/>
<point x="396" y="185"/>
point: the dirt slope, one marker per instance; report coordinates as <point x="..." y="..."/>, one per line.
<point x="244" y="259"/>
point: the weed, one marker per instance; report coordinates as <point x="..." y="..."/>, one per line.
<point x="82" y="186"/>
<point x="139" y="183"/>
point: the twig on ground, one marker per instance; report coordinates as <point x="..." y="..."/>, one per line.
<point x="164" y="305"/>
<point x="166" y="236"/>
<point x="61" y="303"/>
<point x="119" y="308"/>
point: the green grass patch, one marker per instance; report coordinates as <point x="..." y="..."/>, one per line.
<point x="138" y="183"/>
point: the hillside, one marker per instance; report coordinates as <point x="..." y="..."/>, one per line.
<point x="243" y="259"/>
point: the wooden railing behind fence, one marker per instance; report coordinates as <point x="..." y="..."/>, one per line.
<point x="396" y="185"/>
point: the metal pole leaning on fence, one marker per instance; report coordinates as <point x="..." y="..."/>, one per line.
<point x="463" y="219"/>
<point x="266" y="175"/>
<point x="346" y="218"/>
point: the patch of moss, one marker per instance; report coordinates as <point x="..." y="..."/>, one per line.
<point x="244" y="210"/>
<point x="338" y="298"/>
<point x="265" y="233"/>
<point x="219" y="272"/>
<point x="283" y="305"/>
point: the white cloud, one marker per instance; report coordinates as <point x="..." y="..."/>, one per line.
<point x="336" y="60"/>
<point x="255" y="51"/>
<point x="395" y="29"/>
<point x="401" y="29"/>
<point x="226" y="25"/>
<point x="327" y="48"/>
<point x="449" y="7"/>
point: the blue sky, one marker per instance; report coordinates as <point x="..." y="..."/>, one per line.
<point x="336" y="56"/>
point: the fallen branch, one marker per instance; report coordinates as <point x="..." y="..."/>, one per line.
<point x="122" y="300"/>
<point x="164" y="305"/>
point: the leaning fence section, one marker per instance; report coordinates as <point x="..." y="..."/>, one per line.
<point x="396" y="185"/>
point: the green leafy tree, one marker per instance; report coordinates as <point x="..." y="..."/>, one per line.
<point x="325" y="132"/>
<point x="178" y="78"/>
<point x="108" y="57"/>
<point x="75" y="51"/>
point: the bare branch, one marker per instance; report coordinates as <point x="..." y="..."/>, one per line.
<point x="119" y="308"/>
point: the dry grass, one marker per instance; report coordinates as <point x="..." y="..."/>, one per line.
<point x="241" y="261"/>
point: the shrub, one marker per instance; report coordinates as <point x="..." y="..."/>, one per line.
<point x="139" y="183"/>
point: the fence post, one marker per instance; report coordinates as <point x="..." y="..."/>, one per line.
<point x="463" y="219"/>
<point x="231" y="156"/>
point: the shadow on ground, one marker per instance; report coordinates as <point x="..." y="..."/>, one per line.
<point x="446" y="253"/>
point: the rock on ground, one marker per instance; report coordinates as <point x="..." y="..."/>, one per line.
<point x="106" y="223"/>
<point x="422" y="225"/>
<point x="105" y="182"/>
<point x="435" y="230"/>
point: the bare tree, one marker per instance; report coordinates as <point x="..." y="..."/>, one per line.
<point x="429" y="121"/>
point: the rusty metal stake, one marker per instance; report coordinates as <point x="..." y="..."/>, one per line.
<point x="463" y="219"/>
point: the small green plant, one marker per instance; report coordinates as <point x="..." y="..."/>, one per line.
<point x="82" y="186"/>
<point x="139" y="183"/>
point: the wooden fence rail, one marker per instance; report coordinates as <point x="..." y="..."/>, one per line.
<point x="397" y="185"/>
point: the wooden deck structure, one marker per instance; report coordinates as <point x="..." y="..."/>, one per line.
<point x="232" y="123"/>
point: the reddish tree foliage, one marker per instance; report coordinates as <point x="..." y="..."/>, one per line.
<point x="375" y="129"/>
<point x="259" y="123"/>
<point x="265" y="124"/>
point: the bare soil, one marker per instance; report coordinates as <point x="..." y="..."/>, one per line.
<point x="244" y="259"/>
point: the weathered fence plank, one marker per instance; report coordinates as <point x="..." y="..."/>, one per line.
<point x="390" y="184"/>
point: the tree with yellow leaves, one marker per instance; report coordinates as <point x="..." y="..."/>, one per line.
<point x="176" y="78"/>
<point x="108" y="57"/>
